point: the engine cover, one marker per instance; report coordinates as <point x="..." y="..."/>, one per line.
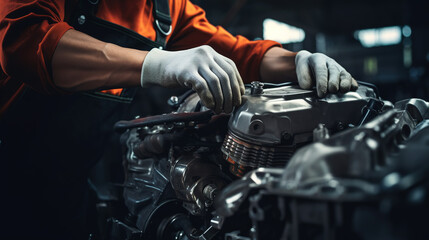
<point x="272" y="123"/>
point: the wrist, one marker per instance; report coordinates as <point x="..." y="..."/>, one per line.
<point x="278" y="65"/>
<point x="123" y="65"/>
<point x="151" y="67"/>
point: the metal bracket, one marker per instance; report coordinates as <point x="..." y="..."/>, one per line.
<point x="162" y="30"/>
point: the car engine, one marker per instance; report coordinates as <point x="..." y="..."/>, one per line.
<point x="284" y="165"/>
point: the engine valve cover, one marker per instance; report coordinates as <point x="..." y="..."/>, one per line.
<point x="271" y="123"/>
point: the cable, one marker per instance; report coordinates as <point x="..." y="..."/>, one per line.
<point x="370" y="85"/>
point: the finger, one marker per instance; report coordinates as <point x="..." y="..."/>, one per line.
<point x="318" y="64"/>
<point x="303" y="70"/>
<point x="355" y="85"/>
<point x="303" y="73"/>
<point x="334" y="76"/>
<point x="225" y="83"/>
<point x="237" y="74"/>
<point x="346" y="81"/>
<point x="235" y="79"/>
<point x="199" y="85"/>
<point x="213" y="83"/>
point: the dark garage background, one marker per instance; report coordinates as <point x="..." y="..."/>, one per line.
<point x="400" y="70"/>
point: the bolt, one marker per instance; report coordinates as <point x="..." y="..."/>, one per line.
<point x="209" y="191"/>
<point x="257" y="127"/>
<point x="340" y="126"/>
<point x="256" y="88"/>
<point x="208" y="203"/>
<point x="391" y="179"/>
<point x="286" y="136"/>
<point x="217" y="222"/>
<point x="173" y="101"/>
<point x="179" y="235"/>
<point x="81" y="19"/>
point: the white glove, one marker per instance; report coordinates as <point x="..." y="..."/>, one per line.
<point x="325" y="72"/>
<point x="214" y="77"/>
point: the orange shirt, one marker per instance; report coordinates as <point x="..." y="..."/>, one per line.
<point x="31" y="29"/>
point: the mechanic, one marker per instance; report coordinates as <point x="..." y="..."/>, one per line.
<point x="70" y="69"/>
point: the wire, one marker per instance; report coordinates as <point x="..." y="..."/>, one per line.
<point x="370" y="85"/>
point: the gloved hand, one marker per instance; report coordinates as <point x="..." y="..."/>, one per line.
<point x="324" y="72"/>
<point x="214" y="77"/>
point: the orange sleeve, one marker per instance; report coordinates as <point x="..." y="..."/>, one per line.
<point x="193" y="29"/>
<point x="29" y="34"/>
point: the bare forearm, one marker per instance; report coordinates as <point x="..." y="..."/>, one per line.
<point x="278" y="65"/>
<point x="82" y="63"/>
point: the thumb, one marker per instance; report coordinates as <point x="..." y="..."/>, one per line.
<point x="303" y="70"/>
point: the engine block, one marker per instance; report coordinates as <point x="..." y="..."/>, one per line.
<point x="273" y="123"/>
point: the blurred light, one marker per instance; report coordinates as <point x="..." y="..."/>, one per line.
<point x="379" y="36"/>
<point x="406" y="31"/>
<point x="282" y="32"/>
<point x="370" y="66"/>
<point x="408" y="55"/>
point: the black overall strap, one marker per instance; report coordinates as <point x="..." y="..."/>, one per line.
<point x="84" y="20"/>
<point x="161" y="12"/>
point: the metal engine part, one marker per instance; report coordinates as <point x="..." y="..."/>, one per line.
<point x="196" y="181"/>
<point x="368" y="182"/>
<point x="273" y="123"/>
<point x="173" y="174"/>
<point x="323" y="160"/>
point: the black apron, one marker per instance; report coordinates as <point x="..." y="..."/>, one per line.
<point x="50" y="143"/>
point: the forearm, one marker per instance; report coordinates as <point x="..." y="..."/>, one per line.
<point x="278" y="65"/>
<point x="81" y="63"/>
